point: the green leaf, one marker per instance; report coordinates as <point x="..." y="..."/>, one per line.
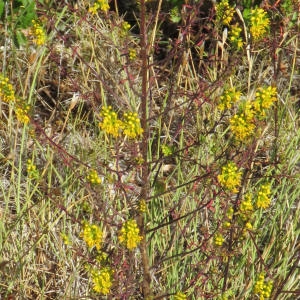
<point x="175" y="15"/>
<point x="29" y="14"/>
<point x="19" y="38"/>
<point x="246" y="15"/>
<point x="1" y="7"/>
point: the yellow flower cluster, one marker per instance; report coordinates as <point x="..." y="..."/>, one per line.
<point x="31" y="169"/>
<point x="102" y="280"/>
<point x="132" y="54"/>
<point x="223" y="296"/>
<point x="111" y="124"/>
<point x="230" y="177"/>
<point x="66" y="239"/>
<point x="93" y="177"/>
<point x="229" y="97"/>
<point x="246" y="213"/>
<point x="125" y="26"/>
<point x="262" y="287"/>
<point x="38" y="33"/>
<point x="229" y="213"/>
<point x="130" y="234"/>
<point x="92" y="235"/>
<point x="142" y="206"/>
<point x="131" y="125"/>
<point x="260" y="23"/>
<point x="263" y="199"/>
<point x="242" y="123"/>
<point x="99" y="5"/>
<point x="248" y="225"/>
<point x="229" y="216"/>
<point x="101" y="257"/>
<point x="224" y="12"/>
<point x="167" y="150"/>
<point x="218" y="239"/>
<point x="180" y="296"/>
<point x="7" y="93"/>
<point x="22" y="113"/>
<point x="264" y="99"/>
<point x="224" y="16"/>
<point x="123" y="31"/>
<point x="226" y="224"/>
<point x="246" y="207"/>
<point x="235" y="36"/>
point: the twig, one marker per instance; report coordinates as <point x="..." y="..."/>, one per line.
<point x="146" y="281"/>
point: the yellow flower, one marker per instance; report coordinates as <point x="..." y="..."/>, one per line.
<point x="104" y="5"/>
<point x="7" y="93"/>
<point x="132" y="54"/>
<point x="93" y="177"/>
<point x="22" y="116"/>
<point x="99" y="5"/>
<point x="38" y="33"/>
<point x="22" y="112"/>
<point x="31" y="169"/>
<point x="132" y="125"/>
<point x="129" y="234"/>
<point x="125" y="26"/>
<point x="94" y="9"/>
<point x="180" y="296"/>
<point x="124" y="31"/>
<point x="235" y="36"/>
<point x="167" y="150"/>
<point x="101" y="257"/>
<point x="246" y="204"/>
<point x="142" y="206"/>
<point x="229" y="213"/>
<point x="263" y="199"/>
<point x="259" y="23"/>
<point x="248" y="225"/>
<point x="229" y="97"/>
<point x="262" y="287"/>
<point x="92" y="235"/>
<point x="66" y="239"/>
<point x="242" y="123"/>
<point x="110" y="122"/>
<point x="230" y="177"/>
<point x="224" y="12"/>
<point x="246" y="208"/>
<point x="264" y="99"/>
<point x="227" y="224"/>
<point x="223" y="297"/>
<point x="218" y="239"/>
<point x="102" y="280"/>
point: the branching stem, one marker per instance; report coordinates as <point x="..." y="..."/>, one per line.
<point x="144" y="147"/>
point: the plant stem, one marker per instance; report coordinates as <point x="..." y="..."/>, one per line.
<point x="144" y="147"/>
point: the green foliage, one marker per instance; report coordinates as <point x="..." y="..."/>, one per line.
<point x="2" y="5"/>
<point x="19" y="17"/>
<point x="175" y="16"/>
<point x="24" y="11"/>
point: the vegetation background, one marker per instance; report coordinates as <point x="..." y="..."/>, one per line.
<point x="149" y="150"/>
